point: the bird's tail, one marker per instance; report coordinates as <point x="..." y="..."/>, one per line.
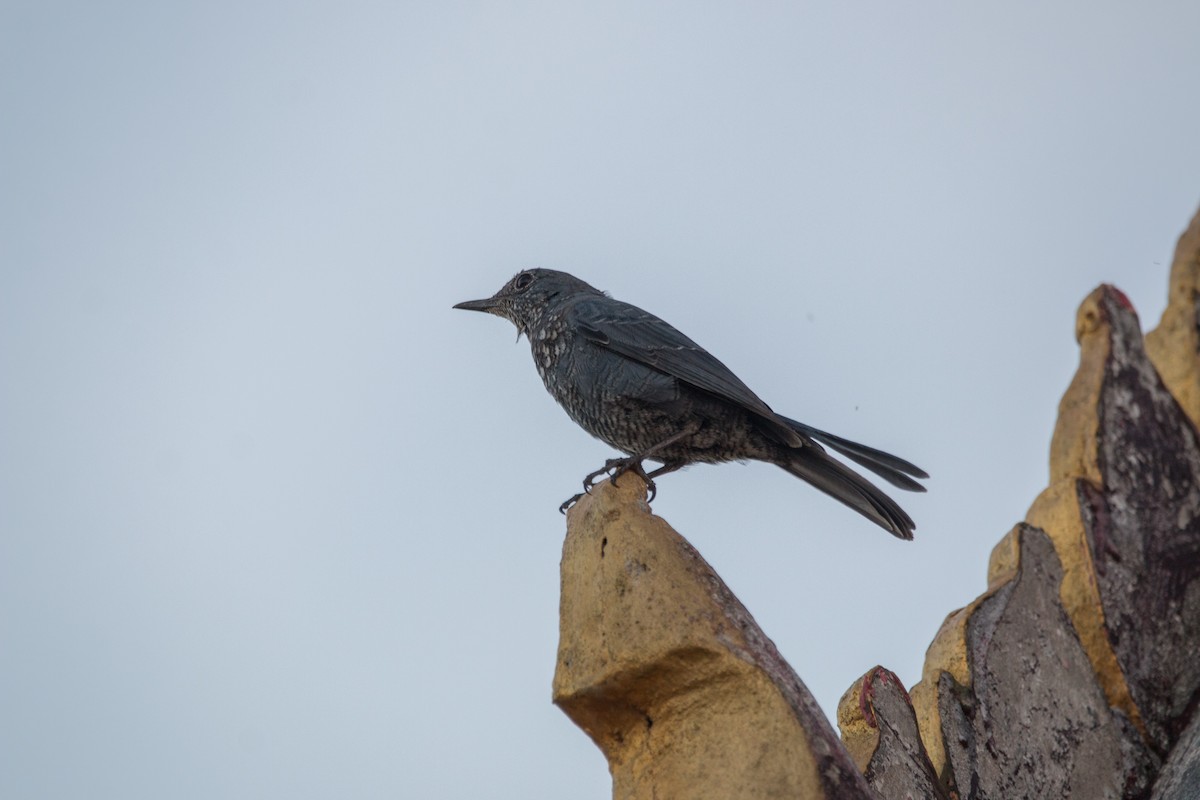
<point x="893" y="469"/>
<point x="814" y="465"/>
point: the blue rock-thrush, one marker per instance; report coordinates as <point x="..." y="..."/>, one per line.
<point x="633" y="381"/>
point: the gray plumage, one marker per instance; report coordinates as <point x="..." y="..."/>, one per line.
<point x="633" y="381"/>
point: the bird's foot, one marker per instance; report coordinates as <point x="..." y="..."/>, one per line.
<point x="619" y="464"/>
<point x="590" y="481"/>
<point x="632" y="464"/>
<point x="635" y="467"/>
<point x="618" y="467"/>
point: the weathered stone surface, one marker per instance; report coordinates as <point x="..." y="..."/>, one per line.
<point x="946" y="667"/>
<point x="953" y="702"/>
<point x="1174" y="346"/>
<point x="1127" y="524"/>
<point x="1033" y="722"/>
<point x="1144" y="532"/>
<point x="878" y="726"/>
<point x="1180" y="776"/>
<point x="947" y="672"/>
<point x="1123" y="512"/>
<point x="666" y="671"/>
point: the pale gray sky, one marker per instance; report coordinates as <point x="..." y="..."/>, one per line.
<point x="276" y="522"/>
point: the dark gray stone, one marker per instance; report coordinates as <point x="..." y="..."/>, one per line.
<point x="1180" y="776"/>
<point x="1039" y="724"/>
<point x="1143" y="527"/>
<point x="899" y="768"/>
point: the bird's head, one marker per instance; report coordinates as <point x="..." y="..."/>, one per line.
<point x="528" y="295"/>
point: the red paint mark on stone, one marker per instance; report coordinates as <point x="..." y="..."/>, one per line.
<point x="866" y="698"/>
<point x="1119" y="296"/>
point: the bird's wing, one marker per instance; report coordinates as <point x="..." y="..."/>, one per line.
<point x="640" y="336"/>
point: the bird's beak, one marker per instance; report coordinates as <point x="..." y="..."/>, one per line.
<point x="487" y="305"/>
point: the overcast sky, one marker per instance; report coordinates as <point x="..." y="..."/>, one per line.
<point x="276" y="522"/>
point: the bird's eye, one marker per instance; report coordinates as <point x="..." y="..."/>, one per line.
<point x="523" y="280"/>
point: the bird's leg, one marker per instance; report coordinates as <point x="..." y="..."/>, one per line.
<point x="634" y="463"/>
<point x="618" y="467"/>
<point x="670" y="466"/>
<point x="589" y="482"/>
<point x="620" y="464"/>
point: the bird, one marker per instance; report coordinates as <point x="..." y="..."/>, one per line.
<point x="638" y="384"/>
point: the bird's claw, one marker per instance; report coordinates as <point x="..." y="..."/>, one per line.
<point x="589" y="481"/>
<point x="612" y="463"/>
<point x="570" y="501"/>
<point x="618" y="467"/>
